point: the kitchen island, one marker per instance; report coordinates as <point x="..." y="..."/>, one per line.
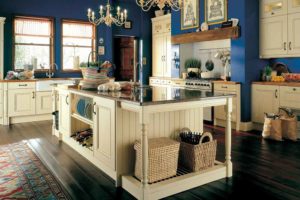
<point x="118" y="119"/>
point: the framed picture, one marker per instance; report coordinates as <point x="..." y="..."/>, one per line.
<point x="215" y="11"/>
<point x="128" y="24"/>
<point x="190" y="14"/>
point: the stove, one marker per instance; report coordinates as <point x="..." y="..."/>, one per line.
<point x="199" y="84"/>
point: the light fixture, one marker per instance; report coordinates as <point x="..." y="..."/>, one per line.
<point x="107" y="17"/>
<point x="147" y="4"/>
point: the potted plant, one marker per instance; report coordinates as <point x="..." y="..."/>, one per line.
<point x="268" y="72"/>
<point x="193" y="67"/>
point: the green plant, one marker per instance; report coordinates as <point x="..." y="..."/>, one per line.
<point x="192" y="63"/>
<point x="268" y="70"/>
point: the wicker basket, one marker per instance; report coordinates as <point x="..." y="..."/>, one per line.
<point x="163" y="159"/>
<point x="198" y="157"/>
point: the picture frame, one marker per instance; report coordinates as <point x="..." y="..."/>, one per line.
<point x="190" y="14"/>
<point x="128" y="24"/>
<point x="216" y="11"/>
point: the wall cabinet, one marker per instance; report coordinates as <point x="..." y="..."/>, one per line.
<point x="265" y="99"/>
<point x="21" y="102"/>
<point x="64" y="112"/>
<point x="279" y="28"/>
<point x="104" y="131"/>
<point x="2" y="20"/>
<point x="43" y="102"/>
<point x="161" y="46"/>
<point x="219" y="111"/>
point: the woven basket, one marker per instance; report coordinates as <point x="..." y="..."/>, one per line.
<point x="198" y="157"/>
<point x="163" y="159"/>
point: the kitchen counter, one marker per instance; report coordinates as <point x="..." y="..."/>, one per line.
<point x="37" y="79"/>
<point x="156" y="95"/>
<point x="291" y="84"/>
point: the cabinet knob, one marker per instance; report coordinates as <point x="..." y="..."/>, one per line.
<point x="284" y="46"/>
<point x="294" y="89"/>
<point x="276" y="94"/>
<point x="290" y="45"/>
<point x="33" y="96"/>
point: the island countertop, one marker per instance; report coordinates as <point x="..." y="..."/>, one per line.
<point x="153" y="95"/>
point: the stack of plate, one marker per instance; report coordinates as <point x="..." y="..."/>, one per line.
<point x="84" y="108"/>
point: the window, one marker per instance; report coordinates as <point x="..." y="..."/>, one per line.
<point x="32" y="43"/>
<point x="78" y="40"/>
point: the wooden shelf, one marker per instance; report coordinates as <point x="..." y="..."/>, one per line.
<point x="216" y="34"/>
<point x="174" y="185"/>
<point x="82" y="119"/>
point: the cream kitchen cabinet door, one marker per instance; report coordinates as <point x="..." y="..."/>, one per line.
<point x="273" y="37"/>
<point x="290" y="97"/>
<point x="157" y="55"/>
<point x="21" y="102"/>
<point x="64" y="112"/>
<point x="294" y="34"/>
<point x="293" y="6"/>
<point x="1" y="102"/>
<point x="2" y="20"/>
<point x="272" y="8"/>
<point x="265" y="99"/>
<point x="43" y="102"/>
<point x="104" y="131"/>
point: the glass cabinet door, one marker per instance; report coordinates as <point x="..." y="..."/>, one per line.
<point x="293" y="6"/>
<point x="271" y="8"/>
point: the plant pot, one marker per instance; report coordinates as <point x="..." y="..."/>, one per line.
<point x="196" y="70"/>
<point x="268" y="78"/>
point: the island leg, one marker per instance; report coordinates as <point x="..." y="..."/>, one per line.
<point x="228" y="109"/>
<point x="144" y="142"/>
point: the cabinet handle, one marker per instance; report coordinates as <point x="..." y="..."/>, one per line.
<point x="272" y="13"/>
<point x="225" y="87"/>
<point x="22" y="85"/>
<point x="284" y="46"/>
<point x="94" y="105"/>
<point x="67" y="97"/>
<point x="290" y="45"/>
<point x="33" y="95"/>
<point x="294" y="89"/>
<point x="276" y="94"/>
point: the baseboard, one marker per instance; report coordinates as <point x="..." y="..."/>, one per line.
<point x="246" y="126"/>
<point x="32" y="118"/>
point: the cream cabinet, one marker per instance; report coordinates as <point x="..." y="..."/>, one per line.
<point x="104" y="131"/>
<point x="64" y="112"/>
<point x="161" y="46"/>
<point x="265" y="99"/>
<point x="290" y="97"/>
<point x="2" y="20"/>
<point x="219" y="111"/>
<point x="21" y="102"/>
<point x="1" y="103"/>
<point x="43" y="102"/>
<point x="279" y="28"/>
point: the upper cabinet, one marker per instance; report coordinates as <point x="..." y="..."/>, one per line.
<point x="161" y="46"/>
<point x="279" y="28"/>
<point x="2" y="19"/>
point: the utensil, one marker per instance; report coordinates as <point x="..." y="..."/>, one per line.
<point x="209" y="65"/>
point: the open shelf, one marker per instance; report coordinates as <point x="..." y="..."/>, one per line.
<point x="216" y="34"/>
<point x="183" y="181"/>
<point x="82" y="119"/>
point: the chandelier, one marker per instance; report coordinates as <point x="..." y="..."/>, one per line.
<point x="147" y="4"/>
<point x="108" y="18"/>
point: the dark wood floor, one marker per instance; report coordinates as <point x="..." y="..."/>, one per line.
<point x="262" y="169"/>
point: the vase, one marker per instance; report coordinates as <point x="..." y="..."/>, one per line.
<point x="76" y="62"/>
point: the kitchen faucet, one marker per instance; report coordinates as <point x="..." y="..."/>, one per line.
<point x="50" y="74"/>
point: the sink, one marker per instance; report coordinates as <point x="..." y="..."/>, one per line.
<point x="46" y="85"/>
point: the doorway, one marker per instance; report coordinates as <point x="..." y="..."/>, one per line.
<point x="125" y="57"/>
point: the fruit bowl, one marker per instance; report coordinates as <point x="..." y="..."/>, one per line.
<point x="292" y="77"/>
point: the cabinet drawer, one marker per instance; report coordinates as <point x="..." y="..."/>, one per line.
<point x="225" y="87"/>
<point x="272" y="8"/>
<point x="21" y="85"/>
<point x="1" y="86"/>
<point x="290" y="97"/>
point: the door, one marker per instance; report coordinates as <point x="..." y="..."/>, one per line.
<point x="272" y="8"/>
<point x="43" y="102"/>
<point x="64" y="113"/>
<point x="293" y="6"/>
<point x="21" y="102"/>
<point x="265" y="99"/>
<point x="158" y="53"/>
<point x="273" y="37"/>
<point x="168" y="56"/>
<point x="294" y="34"/>
<point x="290" y="97"/>
<point x="104" y="131"/>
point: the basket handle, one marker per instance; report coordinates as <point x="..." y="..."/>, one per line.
<point x="206" y="134"/>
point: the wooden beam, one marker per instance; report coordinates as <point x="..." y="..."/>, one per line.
<point x="216" y="34"/>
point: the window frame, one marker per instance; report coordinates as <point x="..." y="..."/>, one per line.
<point x="94" y="38"/>
<point x="51" y="45"/>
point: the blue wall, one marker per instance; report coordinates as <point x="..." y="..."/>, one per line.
<point x="245" y="62"/>
<point x="74" y="9"/>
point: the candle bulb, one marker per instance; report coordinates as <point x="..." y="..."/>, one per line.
<point x="93" y="15"/>
<point x="125" y="14"/>
<point x="122" y="16"/>
<point x="118" y="10"/>
<point x="89" y="12"/>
